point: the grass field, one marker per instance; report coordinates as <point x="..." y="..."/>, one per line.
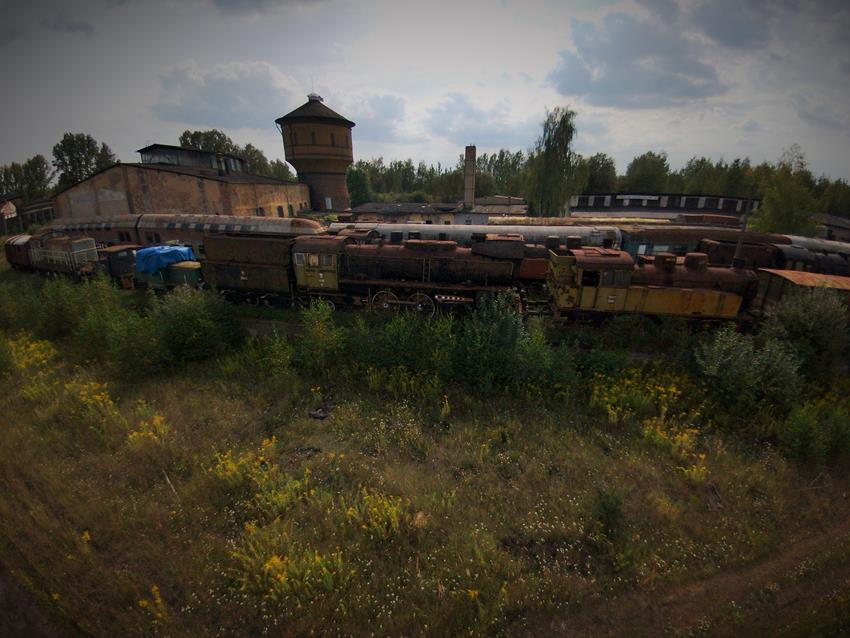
<point x="565" y="493"/>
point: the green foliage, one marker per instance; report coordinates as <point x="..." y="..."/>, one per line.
<point x="555" y="171"/>
<point x="816" y="433"/>
<point x="787" y="205"/>
<point x="357" y="181"/>
<point x="647" y="173"/>
<point x="321" y="344"/>
<point x="601" y="174"/>
<point x="30" y="180"/>
<point x="814" y="323"/>
<point x="77" y="156"/>
<point x="607" y="513"/>
<point x="742" y="374"/>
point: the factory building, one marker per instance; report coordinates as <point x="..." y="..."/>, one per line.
<point x="174" y="179"/>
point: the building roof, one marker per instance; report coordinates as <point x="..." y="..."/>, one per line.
<point x="152" y="147"/>
<point x="833" y="220"/>
<point x="811" y="279"/>
<point x="407" y="208"/>
<point x="313" y="109"/>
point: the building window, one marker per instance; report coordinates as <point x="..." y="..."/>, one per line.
<point x="261" y="212"/>
<point x="280" y="211"/>
<point x="291" y="212"/>
<point x="313" y="137"/>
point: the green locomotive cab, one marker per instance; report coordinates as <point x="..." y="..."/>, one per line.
<point x="316" y="262"/>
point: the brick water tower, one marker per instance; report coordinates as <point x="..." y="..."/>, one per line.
<point x="317" y="142"/>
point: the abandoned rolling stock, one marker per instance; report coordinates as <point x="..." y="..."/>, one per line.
<point x="604" y="281"/>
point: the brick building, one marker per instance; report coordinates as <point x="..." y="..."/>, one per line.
<point x="173" y="179"/>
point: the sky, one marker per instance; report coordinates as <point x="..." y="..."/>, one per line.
<point x="714" y="78"/>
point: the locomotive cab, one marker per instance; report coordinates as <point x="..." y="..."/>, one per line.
<point x="316" y="262"/>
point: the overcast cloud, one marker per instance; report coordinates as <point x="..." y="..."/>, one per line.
<point x="722" y="78"/>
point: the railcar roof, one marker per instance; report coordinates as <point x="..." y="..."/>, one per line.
<point x="811" y="279"/>
<point x="594" y="257"/>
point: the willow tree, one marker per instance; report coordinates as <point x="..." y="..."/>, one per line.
<point x="555" y="171"/>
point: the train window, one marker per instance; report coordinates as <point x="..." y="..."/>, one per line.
<point x="245" y="228"/>
<point x="280" y="210"/>
<point x="200" y="249"/>
<point x="442" y="237"/>
<point x="171" y="225"/>
<point x="590" y="278"/>
<point x="229" y="228"/>
<point x="607" y="278"/>
<point x="327" y="261"/>
<point x="299" y="259"/>
<point x="185" y="226"/>
<point x="447" y="223"/>
<point x="414" y="234"/>
<point x="214" y="228"/>
<point x="313" y="260"/>
<point x="642" y="249"/>
<point x="199" y="227"/>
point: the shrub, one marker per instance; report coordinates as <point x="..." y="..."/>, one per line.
<point x="6" y="363"/>
<point x="194" y="324"/>
<point x="607" y="514"/>
<point x="815" y="433"/>
<point x="814" y="323"/>
<point x="321" y="342"/>
<point x="742" y="374"/>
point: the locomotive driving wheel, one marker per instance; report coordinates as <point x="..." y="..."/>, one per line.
<point x="422" y="304"/>
<point x="385" y="301"/>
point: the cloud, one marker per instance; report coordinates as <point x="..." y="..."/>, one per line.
<point x="632" y="62"/>
<point x="749" y="126"/>
<point x="818" y="114"/>
<point x="733" y="23"/>
<point x="10" y="34"/>
<point x="232" y="95"/>
<point x="667" y="9"/>
<point x="259" y="6"/>
<point x="63" y="24"/>
<point x="460" y="121"/>
<point x="380" y="118"/>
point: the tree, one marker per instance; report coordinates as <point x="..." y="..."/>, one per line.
<point x="280" y="170"/>
<point x="647" y="173"/>
<point x="255" y="160"/>
<point x="787" y="205"/>
<point x="554" y="166"/>
<point x="701" y="176"/>
<point x="213" y="141"/>
<point x="601" y="174"/>
<point x="37" y="174"/>
<point x="357" y="181"/>
<point x="12" y="179"/>
<point x="78" y="157"/>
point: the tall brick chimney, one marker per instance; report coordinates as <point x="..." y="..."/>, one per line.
<point x="469" y="178"/>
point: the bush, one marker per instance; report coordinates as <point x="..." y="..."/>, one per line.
<point x="815" y="433"/>
<point x="742" y="375"/>
<point x="814" y="323"/>
<point x="194" y="324"/>
<point x="321" y="343"/>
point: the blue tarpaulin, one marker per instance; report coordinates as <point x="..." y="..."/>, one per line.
<point x="155" y="258"/>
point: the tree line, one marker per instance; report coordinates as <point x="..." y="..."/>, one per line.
<point x="550" y="172"/>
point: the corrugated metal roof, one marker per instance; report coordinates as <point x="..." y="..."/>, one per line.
<point x="811" y="279"/>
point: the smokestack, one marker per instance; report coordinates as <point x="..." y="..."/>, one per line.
<point x="469" y="178"/>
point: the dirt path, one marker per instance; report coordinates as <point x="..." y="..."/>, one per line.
<point x="764" y="597"/>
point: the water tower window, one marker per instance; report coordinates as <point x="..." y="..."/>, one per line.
<point x="294" y="138"/>
<point x="333" y="140"/>
<point x="313" y="137"/>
